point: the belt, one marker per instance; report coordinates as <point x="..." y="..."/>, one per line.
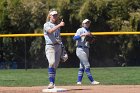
<point x="82" y="47"/>
<point x="53" y="44"/>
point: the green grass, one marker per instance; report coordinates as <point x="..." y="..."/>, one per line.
<point x="68" y="76"/>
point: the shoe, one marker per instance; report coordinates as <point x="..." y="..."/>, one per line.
<point x="79" y="83"/>
<point x="51" y="85"/>
<point x="95" y="82"/>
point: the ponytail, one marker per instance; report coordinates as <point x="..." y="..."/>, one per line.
<point x="48" y="17"/>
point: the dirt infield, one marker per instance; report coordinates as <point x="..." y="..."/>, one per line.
<point x="77" y="89"/>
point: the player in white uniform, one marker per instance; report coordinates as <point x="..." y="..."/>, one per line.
<point x="82" y="51"/>
<point x="53" y="47"/>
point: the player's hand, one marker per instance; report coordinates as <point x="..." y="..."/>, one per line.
<point x="86" y="34"/>
<point x="62" y="23"/>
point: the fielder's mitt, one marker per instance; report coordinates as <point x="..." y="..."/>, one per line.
<point x="64" y="55"/>
<point x="90" y="39"/>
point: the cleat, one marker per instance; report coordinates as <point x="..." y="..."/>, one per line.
<point x="95" y="82"/>
<point x="51" y="85"/>
<point x="79" y="83"/>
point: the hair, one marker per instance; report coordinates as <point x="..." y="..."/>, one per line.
<point x="48" y="17"/>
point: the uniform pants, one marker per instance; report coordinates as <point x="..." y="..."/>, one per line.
<point x="83" y="55"/>
<point x="53" y="54"/>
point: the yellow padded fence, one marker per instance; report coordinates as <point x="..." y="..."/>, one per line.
<point x="69" y="34"/>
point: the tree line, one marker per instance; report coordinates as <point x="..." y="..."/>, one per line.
<point x="28" y="16"/>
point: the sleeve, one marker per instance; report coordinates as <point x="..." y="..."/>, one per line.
<point x="77" y="35"/>
<point x="46" y="27"/>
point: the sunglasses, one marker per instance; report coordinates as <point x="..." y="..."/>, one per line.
<point x="55" y="15"/>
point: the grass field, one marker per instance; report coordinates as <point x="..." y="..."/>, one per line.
<point x="68" y="76"/>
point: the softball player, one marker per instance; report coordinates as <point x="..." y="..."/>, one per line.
<point x="53" y="45"/>
<point x="82" y="51"/>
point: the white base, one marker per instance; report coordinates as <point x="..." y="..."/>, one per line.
<point x="54" y="90"/>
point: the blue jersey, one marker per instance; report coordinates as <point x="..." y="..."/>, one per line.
<point x="51" y="38"/>
<point x="80" y="41"/>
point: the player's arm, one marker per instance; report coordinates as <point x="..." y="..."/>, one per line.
<point x="86" y="34"/>
<point x="56" y="27"/>
<point x="77" y="35"/>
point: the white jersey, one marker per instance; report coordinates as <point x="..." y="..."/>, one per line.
<point x="51" y="38"/>
<point x="82" y="41"/>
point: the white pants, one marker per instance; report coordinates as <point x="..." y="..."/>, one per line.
<point x="53" y="54"/>
<point x="83" y="55"/>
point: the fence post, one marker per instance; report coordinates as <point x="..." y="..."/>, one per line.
<point x="25" y="53"/>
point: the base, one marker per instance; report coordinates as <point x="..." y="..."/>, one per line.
<point x="54" y="90"/>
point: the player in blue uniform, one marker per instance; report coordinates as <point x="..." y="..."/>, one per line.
<point x="82" y="51"/>
<point x="53" y="47"/>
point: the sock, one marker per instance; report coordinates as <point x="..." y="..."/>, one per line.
<point x="87" y="70"/>
<point x="80" y="74"/>
<point x="51" y="72"/>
